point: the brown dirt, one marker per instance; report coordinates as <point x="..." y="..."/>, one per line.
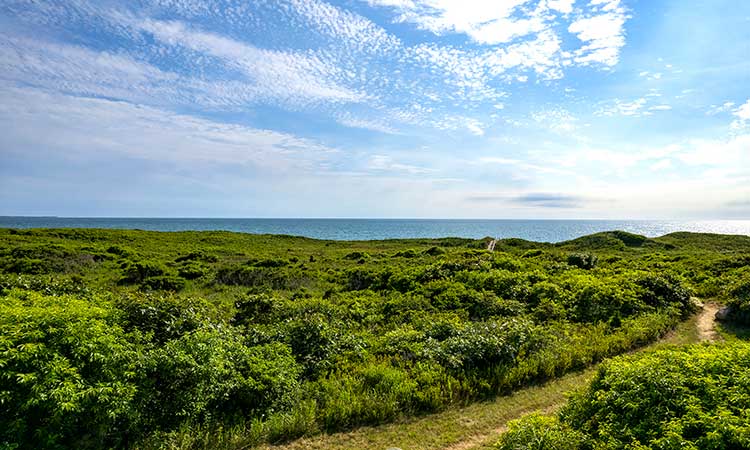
<point x="707" y="323"/>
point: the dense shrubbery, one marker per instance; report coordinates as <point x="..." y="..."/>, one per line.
<point x="739" y="300"/>
<point x="689" y="398"/>
<point x="75" y="375"/>
<point x="282" y="336"/>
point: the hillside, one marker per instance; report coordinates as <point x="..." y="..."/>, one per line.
<point x="147" y="339"/>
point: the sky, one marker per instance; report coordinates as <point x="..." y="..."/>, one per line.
<point x="621" y="109"/>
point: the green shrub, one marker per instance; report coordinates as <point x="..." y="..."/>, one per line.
<point x="538" y="432"/>
<point x="694" y="397"/>
<point x="256" y="308"/>
<point x="163" y="283"/>
<point x="136" y="271"/>
<point x="192" y="270"/>
<point x="411" y="253"/>
<point x="585" y="261"/>
<point x="354" y="256"/>
<point x="262" y="277"/>
<point x="69" y="373"/>
<point x="163" y="318"/>
<point x="739" y="301"/>
<point x="434" y="251"/>
<point x="664" y="290"/>
<point x="484" y="344"/>
<point x="314" y="341"/>
<point x="210" y="374"/>
<point x="197" y="256"/>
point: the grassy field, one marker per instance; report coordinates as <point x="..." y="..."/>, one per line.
<point x="477" y="426"/>
<point x="226" y="340"/>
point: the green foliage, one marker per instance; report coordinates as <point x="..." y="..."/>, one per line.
<point x="696" y="397"/>
<point x="434" y="251"/>
<point x="163" y="283"/>
<point x="585" y="261"/>
<point x="161" y="318"/>
<point x="137" y="271"/>
<point x="192" y="270"/>
<point x="210" y="374"/>
<point x="739" y="300"/>
<point x="355" y="256"/>
<point x="538" y="432"/>
<point x="278" y="337"/>
<point x="69" y="373"/>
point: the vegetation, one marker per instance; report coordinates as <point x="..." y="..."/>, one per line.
<point x="694" y="397"/>
<point x="144" y="339"/>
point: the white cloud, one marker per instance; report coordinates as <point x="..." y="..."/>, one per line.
<point x="743" y="112"/>
<point x="563" y="6"/>
<point x="660" y="108"/>
<point x="602" y="32"/>
<point x="743" y="116"/>
<point x="287" y="76"/>
<point x="384" y="163"/>
<point x="558" y="120"/>
<point x="90" y="128"/>
<point x="731" y="153"/>
<point x="349" y="120"/>
<point x="483" y="21"/>
<point x="718" y="109"/>
<point x="633" y="108"/>
<point x="80" y="70"/>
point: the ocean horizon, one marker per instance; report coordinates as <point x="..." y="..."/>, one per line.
<point x="541" y="230"/>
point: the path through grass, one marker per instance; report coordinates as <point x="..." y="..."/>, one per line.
<point x="475" y="426"/>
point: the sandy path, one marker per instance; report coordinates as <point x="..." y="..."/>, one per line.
<point x="707" y="323"/>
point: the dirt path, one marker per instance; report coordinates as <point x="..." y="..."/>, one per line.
<point x="483" y="440"/>
<point x="707" y="323"/>
<point x="491" y="245"/>
<point x="477" y="426"/>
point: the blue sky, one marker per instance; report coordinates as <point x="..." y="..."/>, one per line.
<point x="375" y="108"/>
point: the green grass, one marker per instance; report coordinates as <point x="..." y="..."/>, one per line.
<point x="227" y="340"/>
<point x="476" y="426"/>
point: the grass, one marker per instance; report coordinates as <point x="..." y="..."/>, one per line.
<point x="478" y="425"/>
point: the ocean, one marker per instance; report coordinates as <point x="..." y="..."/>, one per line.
<point x="366" y="229"/>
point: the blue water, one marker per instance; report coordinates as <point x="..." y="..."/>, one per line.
<point x="364" y="229"/>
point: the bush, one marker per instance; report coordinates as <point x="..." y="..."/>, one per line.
<point x="210" y="375"/>
<point x="434" y="251"/>
<point x="585" y="261"/>
<point x="163" y="283"/>
<point x="262" y="277"/>
<point x="354" y="256"/>
<point x="196" y="256"/>
<point x="192" y="270"/>
<point x="69" y="373"/>
<point x="739" y="301"/>
<point x="161" y="318"/>
<point x="406" y="254"/>
<point x="538" y="432"/>
<point x="137" y="271"/>
<point x="314" y="342"/>
<point x="259" y="308"/>
<point x="484" y="344"/>
<point x="664" y="290"/>
<point x="694" y="397"/>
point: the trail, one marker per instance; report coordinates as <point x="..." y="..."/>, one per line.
<point x="707" y="323"/>
<point x="478" y="425"/>
<point x="491" y="245"/>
